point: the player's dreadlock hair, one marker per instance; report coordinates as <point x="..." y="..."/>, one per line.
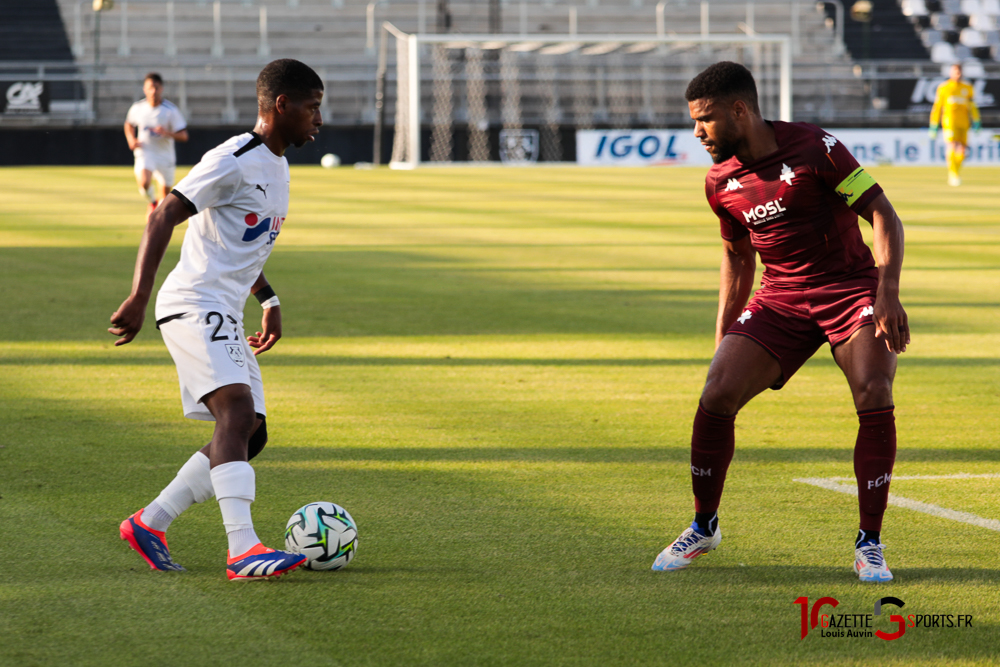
<point x="725" y="81"/>
<point x="285" y="77"/>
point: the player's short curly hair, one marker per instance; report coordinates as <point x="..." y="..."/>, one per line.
<point x="285" y="77"/>
<point x="154" y="77"/>
<point x="726" y="82"/>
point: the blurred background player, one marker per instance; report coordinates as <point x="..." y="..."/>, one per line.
<point x="151" y="128"/>
<point x="236" y="198"/>
<point x="792" y="193"/>
<point x="955" y="112"/>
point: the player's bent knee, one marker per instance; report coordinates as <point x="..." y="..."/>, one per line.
<point x="874" y="393"/>
<point x="719" y="399"/>
<point x="258" y="439"/>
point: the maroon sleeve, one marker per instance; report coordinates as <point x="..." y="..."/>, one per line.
<point x="836" y="166"/>
<point x="729" y="228"/>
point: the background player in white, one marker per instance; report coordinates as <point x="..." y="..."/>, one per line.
<point x="151" y="128"/>
<point x="237" y="199"/>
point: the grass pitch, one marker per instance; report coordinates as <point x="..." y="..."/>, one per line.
<point x="495" y="371"/>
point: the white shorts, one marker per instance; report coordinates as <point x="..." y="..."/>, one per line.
<point x="210" y="351"/>
<point x="162" y="167"/>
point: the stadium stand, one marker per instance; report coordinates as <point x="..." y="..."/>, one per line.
<point x="957" y="30"/>
<point x="889" y="35"/>
<point x="32" y="31"/>
<point x="209" y="51"/>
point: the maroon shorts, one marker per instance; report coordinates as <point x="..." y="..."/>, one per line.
<point x="792" y="324"/>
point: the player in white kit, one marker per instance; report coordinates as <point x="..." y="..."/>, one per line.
<point x="151" y="128"/>
<point x="237" y="200"/>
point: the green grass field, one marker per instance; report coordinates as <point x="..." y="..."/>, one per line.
<point x="495" y="371"/>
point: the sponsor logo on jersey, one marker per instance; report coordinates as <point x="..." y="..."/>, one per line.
<point x="257" y="228"/>
<point x="786" y="174"/>
<point x="733" y="184"/>
<point x="764" y="212"/>
<point x="830" y="142"/>
<point x="264" y="190"/>
<point x="867" y="310"/>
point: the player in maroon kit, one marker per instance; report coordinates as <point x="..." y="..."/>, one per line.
<point x="792" y="193"/>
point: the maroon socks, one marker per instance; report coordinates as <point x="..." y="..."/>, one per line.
<point x="712" y="446"/>
<point x="874" y="456"/>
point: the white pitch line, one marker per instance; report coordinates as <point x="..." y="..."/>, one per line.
<point x="915" y="505"/>
<point x="960" y="475"/>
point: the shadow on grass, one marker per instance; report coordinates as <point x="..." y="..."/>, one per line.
<point x="611" y="454"/>
<point x="161" y="358"/>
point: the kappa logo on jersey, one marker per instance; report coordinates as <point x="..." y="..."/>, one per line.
<point x="733" y="184"/>
<point x="786" y="174"/>
<point x="764" y="212"/>
<point x="830" y="142"/>
<point x="742" y="319"/>
<point x="258" y="229"/>
<point x="867" y="310"/>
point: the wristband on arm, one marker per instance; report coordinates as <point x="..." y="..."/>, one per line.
<point x="266" y="296"/>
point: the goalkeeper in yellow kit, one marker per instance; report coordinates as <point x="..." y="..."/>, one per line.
<point x="955" y="112"/>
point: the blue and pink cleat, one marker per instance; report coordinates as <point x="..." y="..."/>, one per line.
<point x="262" y="563"/>
<point x="150" y="544"/>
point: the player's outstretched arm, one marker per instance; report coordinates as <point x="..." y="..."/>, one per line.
<point x="890" y="318"/>
<point x="735" y="282"/>
<point x="127" y="320"/>
<point x="270" y="321"/>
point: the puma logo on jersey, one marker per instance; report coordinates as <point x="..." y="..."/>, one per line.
<point x="742" y="319"/>
<point x="733" y="184"/>
<point x="830" y="142"/>
<point x="867" y="310"/>
<point x="759" y="214"/>
<point x="264" y="190"/>
<point x="786" y="174"/>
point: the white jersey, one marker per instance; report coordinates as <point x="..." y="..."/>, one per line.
<point x="145" y="118"/>
<point x="238" y="197"/>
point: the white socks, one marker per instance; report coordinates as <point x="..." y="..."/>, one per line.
<point x="235" y="487"/>
<point x="149" y="193"/>
<point x="193" y="484"/>
<point x="233" y="483"/>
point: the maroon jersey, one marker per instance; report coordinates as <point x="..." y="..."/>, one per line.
<point x="800" y="207"/>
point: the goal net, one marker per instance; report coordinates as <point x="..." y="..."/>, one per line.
<point x="518" y="99"/>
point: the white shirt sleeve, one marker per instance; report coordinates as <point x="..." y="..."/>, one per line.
<point x="211" y="183"/>
<point x="130" y="118"/>
<point x="178" y="121"/>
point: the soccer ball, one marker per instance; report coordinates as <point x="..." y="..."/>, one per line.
<point x="330" y="161"/>
<point x="325" y="533"/>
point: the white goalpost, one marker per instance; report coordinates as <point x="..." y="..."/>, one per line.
<point x="512" y="98"/>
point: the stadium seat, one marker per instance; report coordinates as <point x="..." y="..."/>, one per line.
<point x="970" y="7"/>
<point x="983" y="22"/>
<point x="982" y="53"/>
<point x="914" y="8"/>
<point x="943" y="22"/>
<point x="951" y="6"/>
<point x="991" y="7"/>
<point x="961" y="21"/>
<point x="930" y="37"/>
<point x="973" y="69"/>
<point x="922" y="22"/>
<point x="962" y="52"/>
<point x="971" y="38"/>
<point x="943" y="52"/>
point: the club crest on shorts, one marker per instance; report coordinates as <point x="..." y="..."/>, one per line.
<point x="235" y="351"/>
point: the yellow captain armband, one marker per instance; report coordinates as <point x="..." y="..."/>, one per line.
<point x="855" y="185"/>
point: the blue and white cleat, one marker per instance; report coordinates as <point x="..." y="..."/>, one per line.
<point x="262" y="563"/>
<point x="869" y="563"/>
<point x="685" y="549"/>
<point x="150" y="544"/>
